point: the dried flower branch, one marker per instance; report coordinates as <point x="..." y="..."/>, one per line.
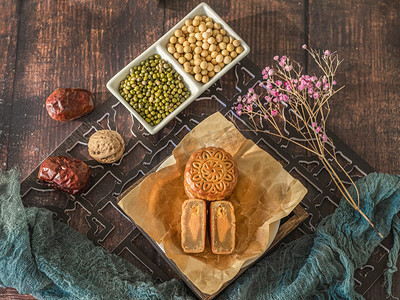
<point x="307" y="99"/>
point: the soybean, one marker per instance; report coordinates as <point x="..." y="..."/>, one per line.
<point x="203" y="48"/>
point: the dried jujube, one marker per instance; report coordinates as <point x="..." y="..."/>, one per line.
<point x="65" y="174"/>
<point x="69" y="104"/>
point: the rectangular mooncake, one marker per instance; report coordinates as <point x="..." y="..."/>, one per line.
<point x="222" y="227"/>
<point x="193" y="225"/>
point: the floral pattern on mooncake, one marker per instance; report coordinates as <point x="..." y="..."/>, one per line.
<point x="210" y="174"/>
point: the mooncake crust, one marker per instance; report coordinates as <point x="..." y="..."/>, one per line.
<point x="210" y="174"/>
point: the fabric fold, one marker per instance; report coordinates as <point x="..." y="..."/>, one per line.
<point x="393" y="255"/>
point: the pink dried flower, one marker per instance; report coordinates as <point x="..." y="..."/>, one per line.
<point x="251" y="90"/>
<point x="285" y="98"/>
<point x="276" y="57"/>
<point x="301" y="103"/>
<point x="334" y="82"/>
<point x="239" y="113"/>
<point x="274" y="93"/>
<point x="266" y="72"/>
<point x="288" y="68"/>
<point x="278" y="83"/>
<point x="239" y="106"/>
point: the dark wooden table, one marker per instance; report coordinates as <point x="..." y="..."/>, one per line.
<point x="50" y="44"/>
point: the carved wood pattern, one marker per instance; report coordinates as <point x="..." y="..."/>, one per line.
<point x="97" y="215"/>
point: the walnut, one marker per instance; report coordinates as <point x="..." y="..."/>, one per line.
<point x="106" y="146"/>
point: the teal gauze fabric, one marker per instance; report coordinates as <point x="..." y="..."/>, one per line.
<point x="49" y="260"/>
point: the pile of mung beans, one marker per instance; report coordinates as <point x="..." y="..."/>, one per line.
<point x="203" y="47"/>
<point x="153" y="89"/>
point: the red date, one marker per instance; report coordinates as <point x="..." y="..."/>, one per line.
<point x="65" y="174"/>
<point x="69" y="104"/>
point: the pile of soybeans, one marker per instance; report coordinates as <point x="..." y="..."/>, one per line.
<point x="203" y="47"/>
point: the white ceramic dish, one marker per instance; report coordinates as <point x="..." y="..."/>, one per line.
<point x="159" y="47"/>
<point x="273" y="228"/>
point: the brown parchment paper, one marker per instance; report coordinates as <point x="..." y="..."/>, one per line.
<point x="264" y="194"/>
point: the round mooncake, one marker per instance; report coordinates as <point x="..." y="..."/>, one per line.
<point x="210" y="174"/>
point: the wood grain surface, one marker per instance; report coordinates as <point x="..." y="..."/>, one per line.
<point x="51" y="44"/>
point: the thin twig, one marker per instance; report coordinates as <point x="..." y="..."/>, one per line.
<point x="308" y="98"/>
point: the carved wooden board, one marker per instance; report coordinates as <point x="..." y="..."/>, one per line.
<point x="97" y="215"/>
